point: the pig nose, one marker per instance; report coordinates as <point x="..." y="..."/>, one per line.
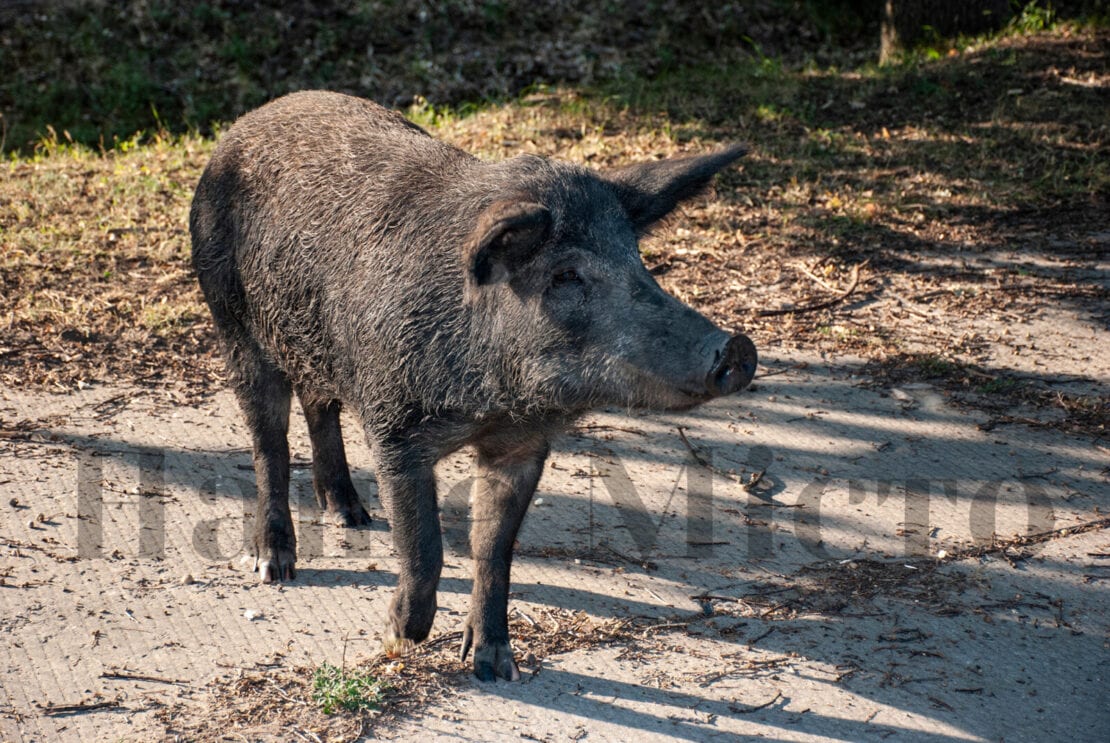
<point x="734" y="367"/>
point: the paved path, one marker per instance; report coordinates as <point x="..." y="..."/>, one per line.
<point x="123" y="519"/>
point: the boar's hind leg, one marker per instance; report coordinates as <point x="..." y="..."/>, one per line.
<point x="331" y="477"/>
<point x="264" y="394"/>
<point x="507" y="478"/>
<point x="406" y="485"/>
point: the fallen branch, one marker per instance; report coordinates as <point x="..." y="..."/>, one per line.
<point x="443" y="639"/>
<point x="694" y="452"/>
<point x="748" y="485"/>
<point x="1000" y="546"/>
<point x="667" y="625"/>
<point x="746" y="710"/>
<point x="777" y="607"/>
<point x="284" y="694"/>
<point x="852" y="284"/>
<point x="783" y="370"/>
<point x="128" y="676"/>
<point x="79" y="709"/>
<point x="18" y="545"/>
<point x="120" y="399"/>
<point x="817" y="279"/>
<point x="592" y="427"/>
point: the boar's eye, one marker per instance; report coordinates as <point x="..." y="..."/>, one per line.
<point x="565" y="277"/>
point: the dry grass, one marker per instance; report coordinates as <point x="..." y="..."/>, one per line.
<point x="973" y="187"/>
<point x="97" y="283"/>
<point x="269" y="703"/>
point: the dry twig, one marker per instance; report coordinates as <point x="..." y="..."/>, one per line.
<point x="756" y="708"/>
<point x="852" y="284"/>
<point x="124" y="675"/>
<point x="79" y="708"/>
<point x="748" y="485"/>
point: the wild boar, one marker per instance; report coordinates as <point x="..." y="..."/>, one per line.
<point x="350" y="257"/>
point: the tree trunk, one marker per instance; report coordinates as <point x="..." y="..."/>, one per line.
<point x="906" y="22"/>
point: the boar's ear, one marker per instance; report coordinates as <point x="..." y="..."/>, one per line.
<point x="649" y="191"/>
<point x="508" y="234"/>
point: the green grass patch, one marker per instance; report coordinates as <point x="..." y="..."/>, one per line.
<point x="335" y="689"/>
<point x="999" y="386"/>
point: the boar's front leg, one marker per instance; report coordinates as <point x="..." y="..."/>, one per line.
<point x="507" y="478"/>
<point x="406" y="485"/>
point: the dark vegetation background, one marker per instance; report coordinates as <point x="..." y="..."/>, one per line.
<point x="101" y="70"/>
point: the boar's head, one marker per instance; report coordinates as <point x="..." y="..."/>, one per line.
<point x="560" y="295"/>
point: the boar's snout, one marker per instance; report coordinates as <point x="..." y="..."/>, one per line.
<point x="733" y="367"/>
